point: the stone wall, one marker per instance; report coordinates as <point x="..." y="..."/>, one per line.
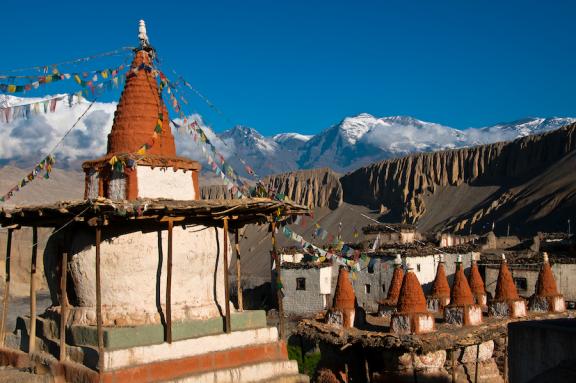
<point x="539" y="347"/>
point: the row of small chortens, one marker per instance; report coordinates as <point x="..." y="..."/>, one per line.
<point x="462" y="304"/>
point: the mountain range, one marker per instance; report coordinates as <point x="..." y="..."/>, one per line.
<point x="345" y="146"/>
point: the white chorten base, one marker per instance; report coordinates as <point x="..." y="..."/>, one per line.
<point x="412" y="323"/>
<point x="134" y="273"/>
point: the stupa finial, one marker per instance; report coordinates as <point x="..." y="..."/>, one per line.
<point x="144" y="43"/>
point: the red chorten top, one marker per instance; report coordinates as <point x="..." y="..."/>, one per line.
<point x="440" y="288"/>
<point x="505" y="287"/>
<point x="461" y="293"/>
<point x="411" y="298"/>
<point x="475" y="280"/>
<point x="395" y="285"/>
<point x="138" y="112"/>
<point x="344" y="297"/>
<point x="546" y="284"/>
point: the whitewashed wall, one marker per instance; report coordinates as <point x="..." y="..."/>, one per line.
<point x="165" y="183"/>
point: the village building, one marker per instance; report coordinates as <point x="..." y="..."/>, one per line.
<point x="138" y="270"/>
<point x="307" y="288"/>
<point x="391" y="233"/>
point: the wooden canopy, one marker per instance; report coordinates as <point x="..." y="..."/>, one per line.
<point x="142" y="212"/>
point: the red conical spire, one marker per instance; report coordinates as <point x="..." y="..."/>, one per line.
<point x="411" y="299"/>
<point x="344" y="297"/>
<point x="505" y="287"/>
<point x="138" y="113"/>
<point x="441" y="288"/>
<point x="395" y="285"/>
<point x="461" y="293"/>
<point x="546" y="284"/>
<point x="475" y="280"/>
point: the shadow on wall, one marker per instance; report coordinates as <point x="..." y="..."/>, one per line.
<point x="261" y="297"/>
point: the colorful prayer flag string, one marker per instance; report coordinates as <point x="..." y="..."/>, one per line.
<point x="45" y="165"/>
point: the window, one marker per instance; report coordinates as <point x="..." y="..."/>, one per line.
<point x="300" y="283"/>
<point x="367" y="289"/>
<point x="384" y="288"/>
<point x="418" y="267"/>
<point x="521" y="283"/>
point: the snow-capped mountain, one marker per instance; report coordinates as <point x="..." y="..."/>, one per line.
<point x="353" y="142"/>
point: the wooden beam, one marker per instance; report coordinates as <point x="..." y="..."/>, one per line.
<point x="63" y="298"/>
<point x="238" y="272"/>
<point x="6" y="288"/>
<point x="172" y="219"/>
<point x="505" y="358"/>
<point x="32" y="335"/>
<point x="228" y="323"/>
<point x="169" y="285"/>
<point x="99" y="305"/>
<point x="278" y="283"/>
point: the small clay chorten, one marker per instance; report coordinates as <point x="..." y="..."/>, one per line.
<point x="412" y="316"/>
<point x="387" y="306"/>
<point x="506" y="301"/>
<point x="477" y="284"/>
<point x="342" y="312"/>
<point x="546" y="298"/>
<point x="440" y="295"/>
<point x="462" y="310"/>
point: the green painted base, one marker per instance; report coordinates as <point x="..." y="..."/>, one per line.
<point x="127" y="337"/>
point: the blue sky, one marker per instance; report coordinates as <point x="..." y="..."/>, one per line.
<point x="303" y="66"/>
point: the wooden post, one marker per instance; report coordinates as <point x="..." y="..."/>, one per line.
<point x="63" y="301"/>
<point x="476" y="369"/>
<point x="238" y="272"/>
<point x="32" y="335"/>
<point x="414" y="372"/>
<point x="99" y="304"/>
<point x="505" y="359"/>
<point x="453" y="360"/>
<point x="226" y="281"/>
<point x="278" y="283"/>
<point x="6" y="288"/>
<point x="367" y="369"/>
<point x="169" y="284"/>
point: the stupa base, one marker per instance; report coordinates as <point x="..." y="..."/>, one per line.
<point x="437" y="304"/>
<point x="341" y="318"/>
<point x="199" y="352"/>
<point x="412" y="323"/>
<point x="466" y="315"/>
<point x="481" y="299"/>
<point x="513" y="308"/>
<point x="554" y="304"/>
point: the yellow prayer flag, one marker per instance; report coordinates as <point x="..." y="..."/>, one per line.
<point x="11" y="88"/>
<point x="141" y="151"/>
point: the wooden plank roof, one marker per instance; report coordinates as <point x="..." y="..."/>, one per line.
<point x="145" y="211"/>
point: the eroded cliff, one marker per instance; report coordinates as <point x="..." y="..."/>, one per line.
<point x="314" y="187"/>
<point x="494" y="175"/>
